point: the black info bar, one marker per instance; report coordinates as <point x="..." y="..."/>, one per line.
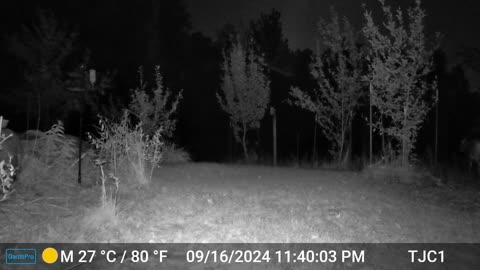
<point x="68" y="256"/>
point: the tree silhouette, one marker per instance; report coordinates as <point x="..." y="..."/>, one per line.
<point x="267" y="32"/>
<point x="399" y="63"/>
<point x="43" y="50"/>
<point x="338" y="73"/>
<point x="246" y="91"/>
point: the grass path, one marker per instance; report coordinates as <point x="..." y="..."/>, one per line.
<point x="204" y="202"/>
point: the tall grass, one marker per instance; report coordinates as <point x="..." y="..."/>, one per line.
<point x="51" y="155"/>
<point x="126" y="150"/>
<point x="125" y="154"/>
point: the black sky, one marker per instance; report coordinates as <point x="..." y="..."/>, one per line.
<point x="457" y="20"/>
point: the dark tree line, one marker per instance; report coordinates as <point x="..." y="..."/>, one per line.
<point x="116" y="37"/>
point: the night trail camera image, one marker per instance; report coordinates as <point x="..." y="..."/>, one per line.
<point x="351" y="128"/>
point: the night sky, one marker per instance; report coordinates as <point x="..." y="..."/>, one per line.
<point x="457" y="20"/>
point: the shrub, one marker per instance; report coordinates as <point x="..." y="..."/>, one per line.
<point x="126" y="149"/>
<point x="173" y="154"/>
<point x="155" y="111"/>
<point x="6" y="169"/>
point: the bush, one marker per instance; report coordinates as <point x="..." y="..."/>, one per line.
<point x="7" y="167"/>
<point x="173" y="154"/>
<point x="127" y="150"/>
<point x="155" y="111"/>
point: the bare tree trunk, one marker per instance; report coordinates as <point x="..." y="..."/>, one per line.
<point x="28" y="111"/>
<point x="346" y="156"/>
<point x="314" y="150"/>
<point x="80" y="150"/>
<point x="348" y="142"/>
<point x="38" y="123"/>
<point x="342" y="142"/>
<point x="229" y="142"/>
<point x="389" y="149"/>
<point x="385" y="155"/>
<point x="342" y="133"/>
<point x="244" y="142"/>
<point x="350" y="147"/>
<point x="436" y="130"/>
<point x="370" y="120"/>
<point x="404" y="137"/>
<point x="298" y="148"/>
<point x="258" y="145"/>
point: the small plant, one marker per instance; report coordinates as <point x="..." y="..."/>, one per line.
<point x="108" y="197"/>
<point x="155" y="150"/>
<point x="7" y="170"/>
<point x="58" y="150"/>
<point x="53" y="154"/>
<point x="7" y="174"/>
<point x="111" y="141"/>
<point x="3" y="138"/>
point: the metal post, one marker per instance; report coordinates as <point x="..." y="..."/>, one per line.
<point x="371" y="147"/>
<point x="314" y="150"/>
<point x="436" y="127"/>
<point x="274" y="130"/>
<point x="80" y="150"/>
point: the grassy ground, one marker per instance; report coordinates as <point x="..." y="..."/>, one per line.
<point x="204" y="202"/>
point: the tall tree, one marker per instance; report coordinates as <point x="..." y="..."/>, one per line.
<point x="246" y="90"/>
<point x="267" y="32"/>
<point x="169" y="38"/>
<point x="337" y="69"/>
<point x="43" y="50"/>
<point x="399" y="64"/>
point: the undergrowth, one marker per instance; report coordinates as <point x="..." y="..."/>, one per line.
<point x="53" y="156"/>
<point x="126" y="150"/>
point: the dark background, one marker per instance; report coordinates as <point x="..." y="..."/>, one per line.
<point x="186" y="38"/>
